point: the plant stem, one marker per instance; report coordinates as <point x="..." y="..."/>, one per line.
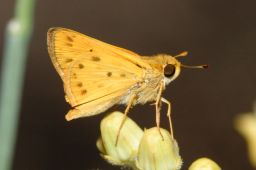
<point x="17" y="37"/>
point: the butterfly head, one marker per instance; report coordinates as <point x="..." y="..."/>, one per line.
<point x="172" y="67"/>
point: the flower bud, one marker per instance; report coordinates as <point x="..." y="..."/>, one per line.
<point x="158" y="152"/>
<point x="204" y="164"/>
<point x="246" y="126"/>
<point x="130" y="135"/>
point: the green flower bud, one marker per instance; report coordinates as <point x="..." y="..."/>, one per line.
<point x="204" y="164"/>
<point x="158" y="152"/>
<point x="124" y="153"/>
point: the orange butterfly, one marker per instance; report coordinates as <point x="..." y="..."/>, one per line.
<point x="97" y="75"/>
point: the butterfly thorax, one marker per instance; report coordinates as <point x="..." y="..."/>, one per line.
<point x="147" y="89"/>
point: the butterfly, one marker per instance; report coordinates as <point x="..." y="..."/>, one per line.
<point x="97" y="75"/>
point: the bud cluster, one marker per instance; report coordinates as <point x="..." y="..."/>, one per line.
<point x="141" y="150"/>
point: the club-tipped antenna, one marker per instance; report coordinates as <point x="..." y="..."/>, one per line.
<point x="185" y="53"/>
<point x="200" y="66"/>
<point x="182" y="54"/>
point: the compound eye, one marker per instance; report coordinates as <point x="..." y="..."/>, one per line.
<point x="169" y="70"/>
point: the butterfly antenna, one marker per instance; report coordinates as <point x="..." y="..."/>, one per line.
<point x="182" y="54"/>
<point x="200" y="66"/>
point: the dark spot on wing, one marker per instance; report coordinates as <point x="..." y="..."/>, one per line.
<point x="68" y="60"/>
<point x="122" y="75"/>
<point x="79" y="84"/>
<point x="70" y="39"/>
<point x="83" y="92"/>
<point x="81" y="66"/>
<point x="95" y="58"/>
<point x="91" y="50"/>
<point x="69" y="44"/>
<point x="74" y="76"/>
<point x="109" y="74"/>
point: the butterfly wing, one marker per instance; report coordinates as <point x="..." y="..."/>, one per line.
<point x="96" y="75"/>
<point x="93" y="88"/>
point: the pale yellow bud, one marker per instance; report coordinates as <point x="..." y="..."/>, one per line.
<point x="125" y="151"/>
<point x="158" y="152"/>
<point x="246" y="126"/>
<point x="204" y="164"/>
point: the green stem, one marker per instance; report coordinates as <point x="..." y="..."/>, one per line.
<point x="17" y="37"/>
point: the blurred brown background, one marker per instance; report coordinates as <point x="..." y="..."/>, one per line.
<point x="219" y="33"/>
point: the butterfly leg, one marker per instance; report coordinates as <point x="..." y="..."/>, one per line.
<point x="168" y="114"/>
<point x="129" y="105"/>
<point x="158" y="108"/>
